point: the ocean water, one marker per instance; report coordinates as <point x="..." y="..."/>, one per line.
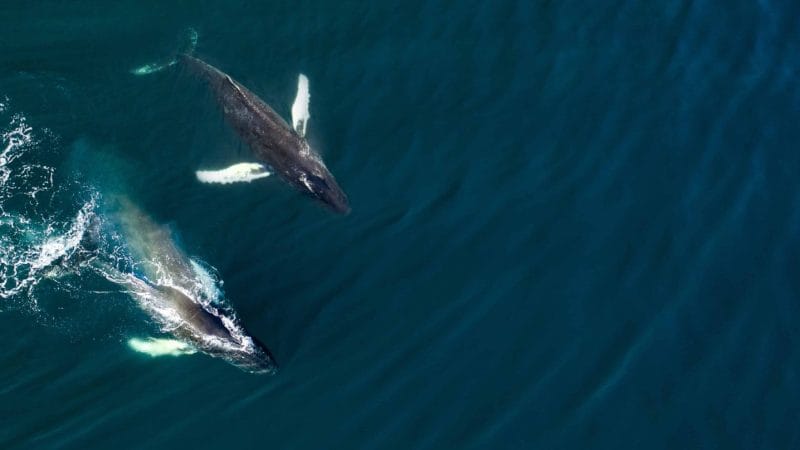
<point x="575" y="224"/>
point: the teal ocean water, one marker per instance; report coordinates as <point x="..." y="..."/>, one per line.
<point x="574" y="225"/>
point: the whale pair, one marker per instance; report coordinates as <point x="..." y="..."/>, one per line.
<point x="281" y="149"/>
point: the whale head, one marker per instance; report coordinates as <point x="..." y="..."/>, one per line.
<point x="246" y="353"/>
<point x="321" y="185"/>
<point x="257" y="359"/>
<point x="213" y="331"/>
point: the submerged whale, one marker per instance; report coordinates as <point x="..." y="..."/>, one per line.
<point x="281" y="146"/>
<point x="175" y="291"/>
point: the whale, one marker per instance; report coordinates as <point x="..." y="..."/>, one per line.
<point x="280" y="146"/>
<point x="175" y="290"/>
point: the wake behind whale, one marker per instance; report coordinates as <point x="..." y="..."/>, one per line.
<point x="125" y="247"/>
<point x="50" y="256"/>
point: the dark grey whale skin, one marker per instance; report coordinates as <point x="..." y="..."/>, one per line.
<point x="271" y="139"/>
<point x="154" y="246"/>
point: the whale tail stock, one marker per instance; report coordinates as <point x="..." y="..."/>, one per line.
<point x="187" y="48"/>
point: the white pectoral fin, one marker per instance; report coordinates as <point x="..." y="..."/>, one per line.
<point x="300" y="114"/>
<point x="237" y="173"/>
<point x="160" y="347"/>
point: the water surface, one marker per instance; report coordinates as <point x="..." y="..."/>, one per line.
<point x="574" y="225"/>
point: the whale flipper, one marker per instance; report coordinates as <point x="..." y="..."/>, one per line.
<point x="161" y="347"/>
<point x="237" y="173"/>
<point x="300" y="113"/>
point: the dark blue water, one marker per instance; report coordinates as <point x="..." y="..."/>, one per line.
<point x="575" y="225"/>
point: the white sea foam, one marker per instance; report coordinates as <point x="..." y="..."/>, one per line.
<point x="28" y="252"/>
<point x="63" y="245"/>
<point x="161" y="347"/>
<point x="207" y="283"/>
<point x="300" y="114"/>
<point x="32" y="239"/>
<point x="16" y="139"/>
<point x="237" y="173"/>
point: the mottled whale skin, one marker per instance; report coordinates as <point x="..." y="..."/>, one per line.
<point x="271" y="139"/>
<point x="179" y="305"/>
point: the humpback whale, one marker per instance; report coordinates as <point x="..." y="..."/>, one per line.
<point x="281" y="146"/>
<point x="172" y="289"/>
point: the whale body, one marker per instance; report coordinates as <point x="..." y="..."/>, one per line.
<point x="174" y="291"/>
<point x="271" y="139"/>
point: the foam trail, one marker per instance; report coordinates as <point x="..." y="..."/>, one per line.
<point x="15" y="140"/>
<point x="207" y="283"/>
<point x="300" y="114"/>
<point x="237" y="173"/>
<point x="160" y="347"/>
<point x="59" y="246"/>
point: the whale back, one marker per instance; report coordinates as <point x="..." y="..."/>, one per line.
<point x="264" y="130"/>
<point x="195" y="315"/>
